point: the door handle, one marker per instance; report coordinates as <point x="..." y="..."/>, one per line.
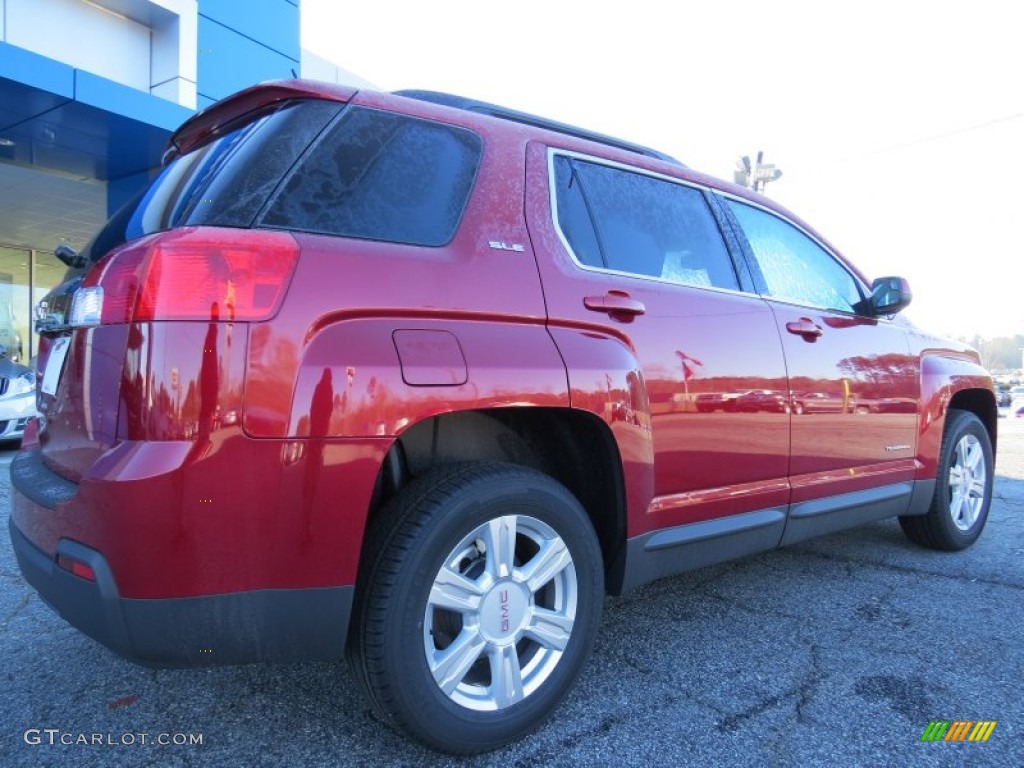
<point x="615" y="303"/>
<point x="805" y="327"/>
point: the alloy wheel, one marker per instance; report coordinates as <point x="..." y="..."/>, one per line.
<point x="500" y="613"/>
<point x="968" y="475"/>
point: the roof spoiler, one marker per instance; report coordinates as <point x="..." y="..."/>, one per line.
<point x="204" y="125"/>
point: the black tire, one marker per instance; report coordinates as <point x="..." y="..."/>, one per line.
<point x="953" y="522"/>
<point x="444" y="527"/>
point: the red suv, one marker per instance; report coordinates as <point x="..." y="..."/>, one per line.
<point x="419" y="379"/>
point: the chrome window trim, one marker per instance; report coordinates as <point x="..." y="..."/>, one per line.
<point x="553" y="201"/>
<point x="826" y="310"/>
<point x="554" y="152"/>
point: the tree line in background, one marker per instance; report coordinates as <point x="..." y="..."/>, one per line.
<point x="1000" y="354"/>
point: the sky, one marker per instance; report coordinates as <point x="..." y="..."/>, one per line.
<point x="898" y="125"/>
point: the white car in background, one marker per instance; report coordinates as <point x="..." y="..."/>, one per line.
<point x="1016" y="402"/>
<point x="17" y="398"/>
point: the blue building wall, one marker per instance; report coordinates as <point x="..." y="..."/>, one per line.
<point x="100" y="129"/>
<point x="116" y="133"/>
<point x="239" y="47"/>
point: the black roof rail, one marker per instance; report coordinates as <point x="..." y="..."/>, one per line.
<point x="482" y="107"/>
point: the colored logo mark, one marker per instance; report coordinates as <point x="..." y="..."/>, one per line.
<point x="958" y="730"/>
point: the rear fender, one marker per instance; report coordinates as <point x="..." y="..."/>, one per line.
<point x="605" y="379"/>
<point x="375" y="377"/>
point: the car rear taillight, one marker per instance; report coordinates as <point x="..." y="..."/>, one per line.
<point x="198" y="273"/>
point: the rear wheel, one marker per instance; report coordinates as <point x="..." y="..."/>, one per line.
<point x="478" y="607"/>
<point x="963" y="488"/>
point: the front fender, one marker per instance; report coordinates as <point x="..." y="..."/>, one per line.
<point x="945" y="375"/>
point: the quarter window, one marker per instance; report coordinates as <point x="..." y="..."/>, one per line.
<point x="381" y="176"/>
<point x="574" y="216"/>
<point x="633" y="223"/>
<point x="794" y="267"/>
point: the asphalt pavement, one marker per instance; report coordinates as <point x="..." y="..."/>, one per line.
<point x="839" y="651"/>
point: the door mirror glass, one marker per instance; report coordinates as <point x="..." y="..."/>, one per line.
<point x="889" y="295"/>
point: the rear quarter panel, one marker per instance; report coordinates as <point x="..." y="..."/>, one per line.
<point x="328" y="364"/>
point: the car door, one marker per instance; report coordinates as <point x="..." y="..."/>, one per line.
<point x="854" y="386"/>
<point x="636" y="274"/>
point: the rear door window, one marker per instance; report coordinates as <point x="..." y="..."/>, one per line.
<point x="381" y="176"/>
<point x="638" y="224"/>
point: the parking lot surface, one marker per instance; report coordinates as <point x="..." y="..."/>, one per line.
<point x="839" y="651"/>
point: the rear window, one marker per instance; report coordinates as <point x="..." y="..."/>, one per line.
<point x="381" y="176"/>
<point x="226" y="182"/>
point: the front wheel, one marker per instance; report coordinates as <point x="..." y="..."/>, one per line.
<point x="963" y="488"/>
<point x="479" y="605"/>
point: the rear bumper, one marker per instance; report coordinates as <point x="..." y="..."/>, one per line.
<point x="235" y="628"/>
<point x="179" y="519"/>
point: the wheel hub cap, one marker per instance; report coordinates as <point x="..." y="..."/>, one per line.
<point x="504" y="611"/>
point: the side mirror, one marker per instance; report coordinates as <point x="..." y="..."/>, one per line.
<point x="70" y="256"/>
<point x="889" y="295"/>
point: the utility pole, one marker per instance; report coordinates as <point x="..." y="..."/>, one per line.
<point x="755" y="176"/>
